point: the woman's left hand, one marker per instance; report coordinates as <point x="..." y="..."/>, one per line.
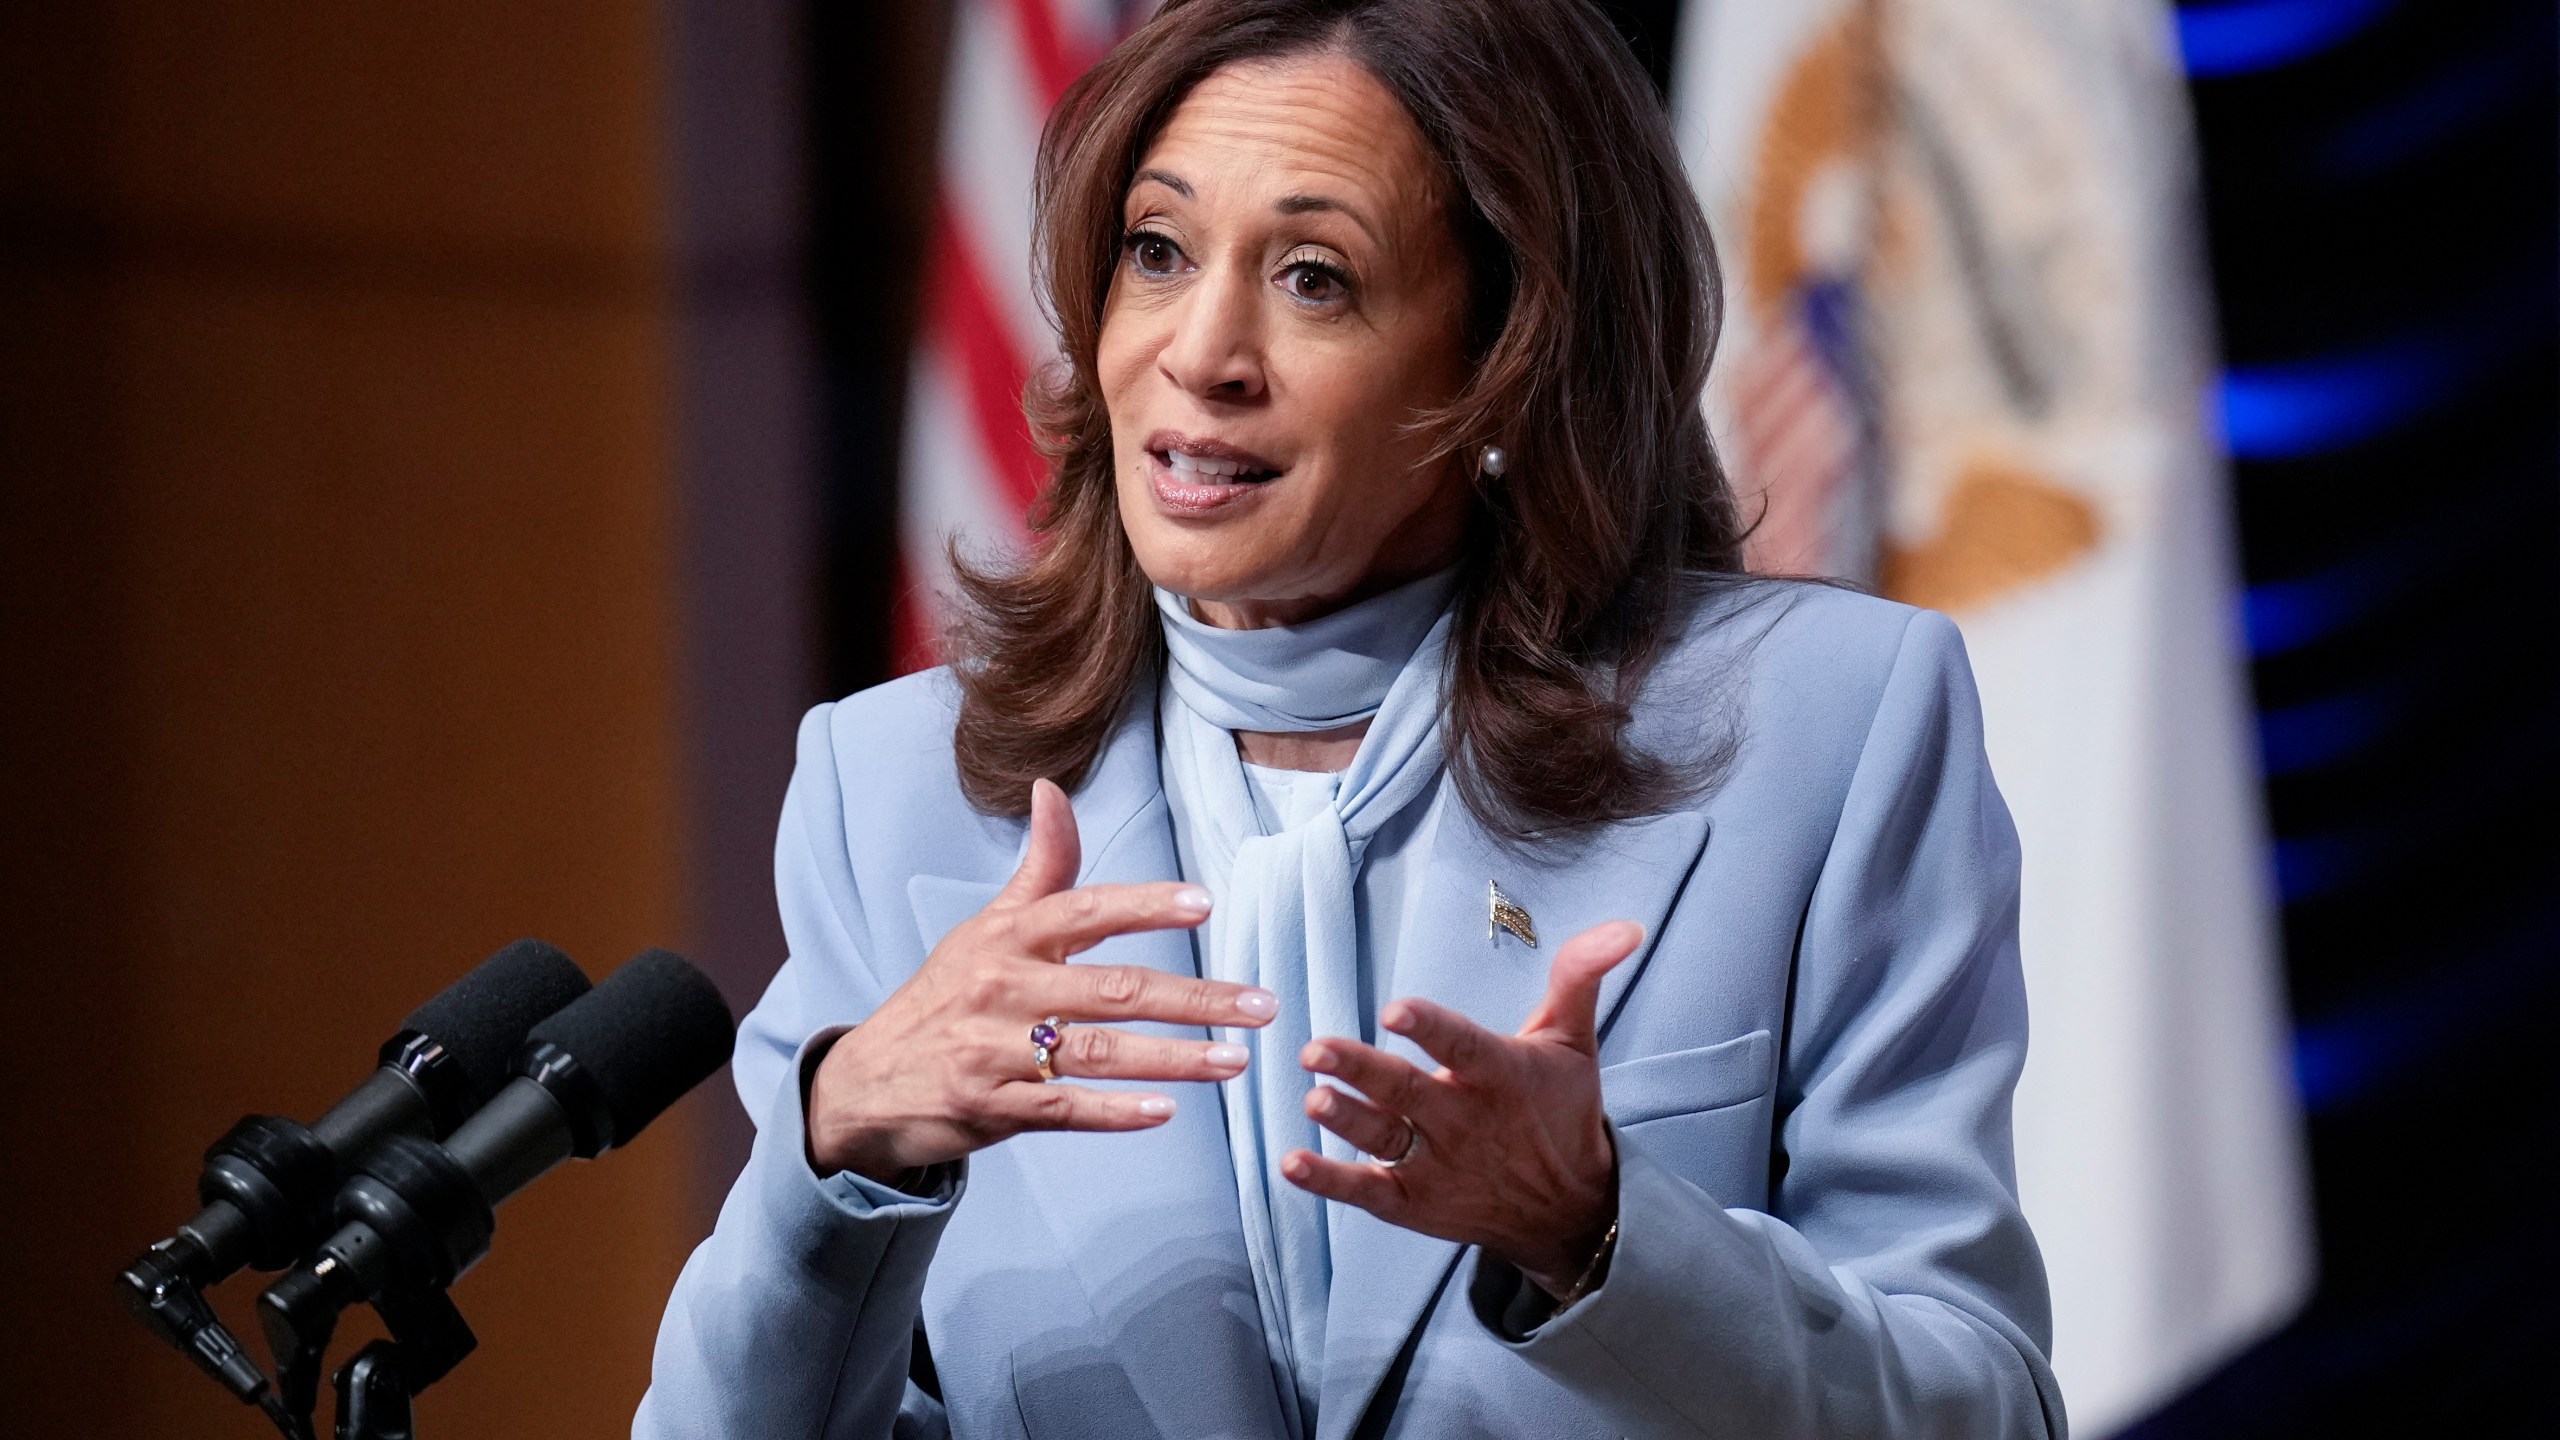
<point x="1506" y="1146"/>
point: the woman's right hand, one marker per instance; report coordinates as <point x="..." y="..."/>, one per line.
<point x="945" y="1065"/>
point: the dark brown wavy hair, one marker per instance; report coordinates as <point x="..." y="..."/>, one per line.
<point x="1593" y="309"/>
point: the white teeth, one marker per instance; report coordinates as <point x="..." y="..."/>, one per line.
<point x="1203" y="467"/>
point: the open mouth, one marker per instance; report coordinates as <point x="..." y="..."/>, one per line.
<point x="1191" y="469"/>
<point x="1194" y="476"/>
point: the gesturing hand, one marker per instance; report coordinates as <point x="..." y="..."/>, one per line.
<point x="946" y="1065"/>
<point x="1506" y="1146"/>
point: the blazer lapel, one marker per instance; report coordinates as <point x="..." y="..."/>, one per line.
<point x="1386" y="1276"/>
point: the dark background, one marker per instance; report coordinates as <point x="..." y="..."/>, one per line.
<point x="2385" y="227"/>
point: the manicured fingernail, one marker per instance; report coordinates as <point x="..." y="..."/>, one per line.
<point x="1396" y="1018"/>
<point x="1226" y="1057"/>
<point x="1257" y="1004"/>
<point x="1295" y="1167"/>
<point x="1316" y="1057"/>
<point x="1191" y="900"/>
<point x="1156" y="1107"/>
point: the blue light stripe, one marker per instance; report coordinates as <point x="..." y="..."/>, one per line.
<point x="2280" y="616"/>
<point x="2309" y="866"/>
<point x="2343" y="1057"/>
<point x="2324" y="731"/>
<point x="2298" y="408"/>
<point x="2442" y="106"/>
<point x="2285" y="615"/>
<point x="2239" y="37"/>
<point x="2291" y="409"/>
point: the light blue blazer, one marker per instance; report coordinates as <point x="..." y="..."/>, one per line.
<point x="1808" y="1065"/>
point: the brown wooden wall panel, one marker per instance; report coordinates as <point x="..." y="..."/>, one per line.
<point x="340" y="632"/>
<point x="474" y="127"/>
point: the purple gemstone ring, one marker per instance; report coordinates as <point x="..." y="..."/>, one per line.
<point x="1044" y="1046"/>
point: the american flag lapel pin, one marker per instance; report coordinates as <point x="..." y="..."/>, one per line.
<point x="1505" y="914"/>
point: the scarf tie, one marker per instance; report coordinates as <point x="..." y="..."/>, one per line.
<point x="1285" y="917"/>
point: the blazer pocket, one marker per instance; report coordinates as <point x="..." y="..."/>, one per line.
<point x="941" y="903"/>
<point x="1684" y="1082"/>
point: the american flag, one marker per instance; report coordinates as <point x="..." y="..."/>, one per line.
<point x="970" y="470"/>
<point x="1798" y="443"/>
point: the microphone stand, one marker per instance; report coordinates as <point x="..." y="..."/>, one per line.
<point x="374" y="1389"/>
<point x="373" y="1399"/>
<point x="428" y="1338"/>
<point x="413" y="1214"/>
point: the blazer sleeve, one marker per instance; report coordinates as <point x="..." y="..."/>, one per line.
<point x="1892" y="1288"/>
<point x="797" y="1317"/>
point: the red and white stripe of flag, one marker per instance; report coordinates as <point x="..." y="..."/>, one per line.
<point x="970" y="469"/>
<point x="1795" y="435"/>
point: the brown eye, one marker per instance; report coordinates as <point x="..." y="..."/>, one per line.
<point x="1153" y="254"/>
<point x="1315" y="283"/>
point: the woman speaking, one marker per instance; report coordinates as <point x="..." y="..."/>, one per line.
<point x="1382" y="930"/>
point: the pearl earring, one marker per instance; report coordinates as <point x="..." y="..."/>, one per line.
<point x="1492" y="461"/>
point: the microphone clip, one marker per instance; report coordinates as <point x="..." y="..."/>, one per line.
<point x="258" y="1188"/>
<point x="163" y="1293"/>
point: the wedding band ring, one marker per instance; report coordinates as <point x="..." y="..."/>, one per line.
<point x="1412" y="1145"/>
<point x="1044" y="1046"/>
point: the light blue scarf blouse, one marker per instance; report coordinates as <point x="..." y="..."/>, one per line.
<point x="1308" y="872"/>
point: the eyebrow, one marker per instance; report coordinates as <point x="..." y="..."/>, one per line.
<point x="1311" y="204"/>
<point x="1286" y="204"/>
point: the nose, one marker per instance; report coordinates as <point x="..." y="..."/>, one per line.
<point x="1215" y="351"/>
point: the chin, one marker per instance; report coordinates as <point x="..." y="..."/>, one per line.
<point x="1206" y="559"/>
<point x="1185" y="570"/>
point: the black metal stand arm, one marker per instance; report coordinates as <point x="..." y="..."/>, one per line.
<point x="428" y="1338"/>
<point x="373" y="1398"/>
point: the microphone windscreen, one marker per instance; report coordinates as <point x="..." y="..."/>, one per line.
<point x="653" y="1030"/>
<point x="481" y="1019"/>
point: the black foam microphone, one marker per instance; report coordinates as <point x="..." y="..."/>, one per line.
<point x="416" y="1215"/>
<point x="268" y="1185"/>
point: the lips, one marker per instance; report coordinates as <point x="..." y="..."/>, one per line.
<point x="1203" y="461"/>
<point x="1214" y="470"/>
<point x="1194" y="475"/>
